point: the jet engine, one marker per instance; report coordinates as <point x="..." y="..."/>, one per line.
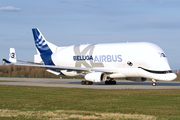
<point x="136" y="79"/>
<point x="95" y="77"/>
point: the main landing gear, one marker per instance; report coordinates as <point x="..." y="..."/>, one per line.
<point x="86" y="82"/>
<point x="153" y="82"/>
<point x="110" y="82"/>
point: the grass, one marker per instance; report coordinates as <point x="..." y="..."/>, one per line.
<point x="76" y="103"/>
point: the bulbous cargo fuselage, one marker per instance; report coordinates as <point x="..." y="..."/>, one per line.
<point x="139" y="59"/>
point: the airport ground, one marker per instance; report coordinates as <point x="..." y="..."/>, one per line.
<point x="53" y="101"/>
<point x="76" y="83"/>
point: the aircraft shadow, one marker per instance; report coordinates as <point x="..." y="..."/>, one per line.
<point x="137" y="83"/>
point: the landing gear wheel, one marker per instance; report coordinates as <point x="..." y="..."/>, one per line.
<point x="87" y="82"/>
<point x="82" y="82"/>
<point x="110" y="82"/>
<point x="90" y="83"/>
<point x="106" y="82"/>
<point x="114" y="82"/>
<point x="153" y="84"/>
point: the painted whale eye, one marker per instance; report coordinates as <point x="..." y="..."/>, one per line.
<point x="130" y="63"/>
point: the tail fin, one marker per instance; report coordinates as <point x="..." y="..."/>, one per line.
<point x="12" y="55"/>
<point x="45" y="48"/>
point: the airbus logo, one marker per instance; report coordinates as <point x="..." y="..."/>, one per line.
<point x="108" y="58"/>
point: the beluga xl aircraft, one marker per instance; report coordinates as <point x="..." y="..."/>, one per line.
<point x="134" y="61"/>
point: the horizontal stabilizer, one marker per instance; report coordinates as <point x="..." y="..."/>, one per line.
<point x="6" y="61"/>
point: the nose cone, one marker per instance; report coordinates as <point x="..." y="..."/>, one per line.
<point x="171" y="76"/>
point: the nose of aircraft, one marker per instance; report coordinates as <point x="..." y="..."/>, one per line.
<point x="171" y="76"/>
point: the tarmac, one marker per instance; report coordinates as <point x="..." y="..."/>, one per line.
<point x="76" y="83"/>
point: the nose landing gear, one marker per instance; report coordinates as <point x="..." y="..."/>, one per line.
<point x="153" y="82"/>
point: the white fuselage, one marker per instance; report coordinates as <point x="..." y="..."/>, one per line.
<point x="126" y="59"/>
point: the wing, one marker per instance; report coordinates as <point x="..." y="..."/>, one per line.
<point x="58" y="68"/>
<point x="31" y="62"/>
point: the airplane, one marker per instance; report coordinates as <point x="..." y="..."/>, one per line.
<point x="135" y="61"/>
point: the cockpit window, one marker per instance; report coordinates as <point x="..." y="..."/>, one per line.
<point x="162" y="55"/>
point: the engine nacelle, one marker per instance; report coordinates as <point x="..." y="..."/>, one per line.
<point x="136" y="79"/>
<point x="95" y="77"/>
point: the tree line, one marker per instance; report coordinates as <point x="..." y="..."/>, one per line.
<point x="24" y="71"/>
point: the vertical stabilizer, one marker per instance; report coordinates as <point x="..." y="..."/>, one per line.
<point x="12" y="55"/>
<point x="45" y="48"/>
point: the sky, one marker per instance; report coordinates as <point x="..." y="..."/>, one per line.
<point x="69" y="22"/>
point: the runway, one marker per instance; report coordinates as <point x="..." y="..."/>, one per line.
<point x="76" y="83"/>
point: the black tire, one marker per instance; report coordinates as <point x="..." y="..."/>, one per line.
<point x="106" y="82"/>
<point x="114" y="82"/>
<point x="82" y="82"/>
<point x="87" y="82"/>
<point x="110" y="82"/>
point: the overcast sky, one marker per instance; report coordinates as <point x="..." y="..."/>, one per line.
<point x="68" y="22"/>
